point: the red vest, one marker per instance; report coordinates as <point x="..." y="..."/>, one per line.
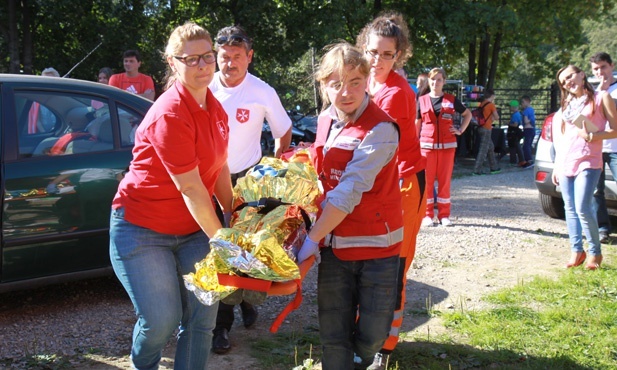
<point x="374" y="229"/>
<point x="435" y="133"/>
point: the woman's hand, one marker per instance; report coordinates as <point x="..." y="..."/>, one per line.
<point x="555" y="177"/>
<point x="456" y="131"/>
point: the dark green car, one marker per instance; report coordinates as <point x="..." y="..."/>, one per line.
<point x="65" y="146"/>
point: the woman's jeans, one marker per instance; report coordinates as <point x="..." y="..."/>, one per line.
<point x="577" y="192"/>
<point x="150" y="266"/>
<point x="356" y="302"/>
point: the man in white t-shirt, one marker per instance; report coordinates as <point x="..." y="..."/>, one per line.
<point x="247" y="101"/>
<point x="602" y="67"/>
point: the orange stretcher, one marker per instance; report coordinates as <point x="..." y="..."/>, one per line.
<point x="273" y="289"/>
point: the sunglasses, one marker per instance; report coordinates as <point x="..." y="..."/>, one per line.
<point x="232" y="40"/>
<point x="193" y="60"/>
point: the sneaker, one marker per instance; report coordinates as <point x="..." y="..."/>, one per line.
<point x="379" y="362"/>
<point x="220" y="342"/>
<point x="477" y="173"/>
<point x="427" y="221"/>
<point x="446" y="222"/>
<point x="496" y="170"/>
<point x="528" y="165"/>
<point x="603" y="236"/>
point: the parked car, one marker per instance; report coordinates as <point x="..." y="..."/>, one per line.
<point x="550" y="195"/>
<point x="303" y="129"/>
<point x="65" y="146"/>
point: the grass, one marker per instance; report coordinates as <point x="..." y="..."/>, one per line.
<point x="566" y="323"/>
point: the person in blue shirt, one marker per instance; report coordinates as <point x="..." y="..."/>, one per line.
<point x="514" y="135"/>
<point x="529" y="127"/>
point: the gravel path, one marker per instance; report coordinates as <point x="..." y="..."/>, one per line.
<point x="500" y="237"/>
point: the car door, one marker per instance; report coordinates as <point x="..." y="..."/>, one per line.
<point x="59" y="179"/>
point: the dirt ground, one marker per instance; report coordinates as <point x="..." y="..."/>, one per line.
<point x="500" y="238"/>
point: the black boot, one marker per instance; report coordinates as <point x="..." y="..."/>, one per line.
<point x="220" y="341"/>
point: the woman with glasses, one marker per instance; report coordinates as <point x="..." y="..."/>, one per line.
<point x="435" y="116"/>
<point x="163" y="215"/>
<point x="385" y="42"/>
<point x="578" y="159"/>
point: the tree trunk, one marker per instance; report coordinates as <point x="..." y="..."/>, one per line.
<point x="494" y="60"/>
<point x="13" y="45"/>
<point x="376" y="6"/>
<point x="483" y="60"/>
<point x="27" y="42"/>
<point x="471" y="74"/>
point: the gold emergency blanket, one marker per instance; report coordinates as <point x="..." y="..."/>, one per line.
<point x="265" y="236"/>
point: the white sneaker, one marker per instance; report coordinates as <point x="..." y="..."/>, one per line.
<point x="427" y="221"/>
<point x="379" y="362"/>
<point x="446" y="222"/>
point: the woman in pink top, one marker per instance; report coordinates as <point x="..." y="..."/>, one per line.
<point x="578" y="161"/>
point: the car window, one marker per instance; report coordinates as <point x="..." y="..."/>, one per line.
<point x="129" y="121"/>
<point x="60" y="124"/>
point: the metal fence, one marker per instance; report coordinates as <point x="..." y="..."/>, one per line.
<point x="543" y="101"/>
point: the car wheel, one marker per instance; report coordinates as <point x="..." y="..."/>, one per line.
<point x="552" y="206"/>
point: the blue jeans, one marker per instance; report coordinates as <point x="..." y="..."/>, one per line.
<point x="150" y="266"/>
<point x="528" y="135"/>
<point x="577" y="193"/>
<point x="599" y="201"/>
<point x="347" y="290"/>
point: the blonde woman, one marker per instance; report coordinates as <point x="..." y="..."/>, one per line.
<point x="435" y="118"/>
<point x="360" y="224"/>
<point x="163" y="216"/>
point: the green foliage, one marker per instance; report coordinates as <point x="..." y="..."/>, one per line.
<point x="536" y="37"/>
<point x="287" y="350"/>
<point x="572" y="318"/>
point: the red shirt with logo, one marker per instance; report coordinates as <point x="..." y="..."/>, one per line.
<point x="175" y="136"/>
<point x="136" y="85"/>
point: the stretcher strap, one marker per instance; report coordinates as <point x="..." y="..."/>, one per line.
<point x="294" y="304"/>
<point x="249" y="283"/>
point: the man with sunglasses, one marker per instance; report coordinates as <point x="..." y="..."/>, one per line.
<point x="247" y="101"/>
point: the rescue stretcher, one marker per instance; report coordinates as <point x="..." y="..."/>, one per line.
<point x="274" y="206"/>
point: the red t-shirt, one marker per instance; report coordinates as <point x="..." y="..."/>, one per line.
<point x="398" y="100"/>
<point x="135" y="85"/>
<point x="175" y="136"/>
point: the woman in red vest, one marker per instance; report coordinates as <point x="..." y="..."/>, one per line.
<point x="360" y="225"/>
<point x="436" y="111"/>
<point x="386" y="46"/>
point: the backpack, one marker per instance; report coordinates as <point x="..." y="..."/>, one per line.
<point x="478" y="115"/>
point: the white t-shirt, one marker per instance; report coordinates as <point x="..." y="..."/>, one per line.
<point x="247" y="105"/>
<point x="610" y="145"/>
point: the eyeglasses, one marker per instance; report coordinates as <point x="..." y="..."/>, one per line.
<point x="233" y="40"/>
<point x="193" y="60"/>
<point x="386" y="56"/>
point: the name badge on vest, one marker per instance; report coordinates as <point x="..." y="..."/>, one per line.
<point x="446" y="116"/>
<point x="447" y="104"/>
<point x="346" y="143"/>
